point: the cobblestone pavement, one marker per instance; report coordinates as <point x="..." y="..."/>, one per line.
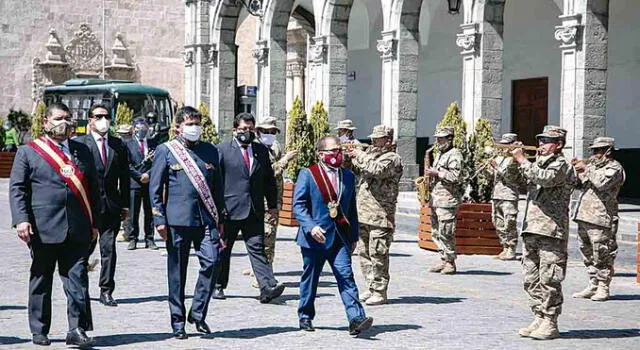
<point x="480" y="308"/>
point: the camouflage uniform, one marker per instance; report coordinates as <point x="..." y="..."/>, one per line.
<point x="279" y="164"/>
<point x="597" y="218"/>
<point x="380" y="172"/>
<point x="446" y="192"/>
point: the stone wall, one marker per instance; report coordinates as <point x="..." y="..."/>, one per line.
<point x="246" y="41"/>
<point x="153" y="32"/>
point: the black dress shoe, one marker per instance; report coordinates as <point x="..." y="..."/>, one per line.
<point x="41" y="339"/>
<point x="133" y="244"/>
<point x="201" y="326"/>
<point x="107" y="300"/>
<point x="359" y="325"/>
<point x="79" y="338"/>
<point x="271" y="293"/>
<point x="180" y="334"/>
<point x="218" y="293"/>
<point x="306" y="325"/>
<point x="150" y="244"/>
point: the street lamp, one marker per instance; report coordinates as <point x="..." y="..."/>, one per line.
<point x="454" y="6"/>
<point x="253" y="6"/>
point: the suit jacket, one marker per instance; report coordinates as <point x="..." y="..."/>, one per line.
<point x="136" y="157"/>
<point x="181" y="205"/>
<point x="38" y="195"/>
<point x="311" y="210"/>
<point x="244" y="191"/>
<point x="113" y="179"/>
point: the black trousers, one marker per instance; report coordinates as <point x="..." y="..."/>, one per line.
<point x="253" y="234"/>
<point x="140" y="198"/>
<point x="107" y="241"/>
<point x="207" y="247"/>
<point x="72" y="268"/>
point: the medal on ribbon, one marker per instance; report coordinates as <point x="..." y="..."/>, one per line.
<point x="67" y="171"/>
<point x="333" y="209"/>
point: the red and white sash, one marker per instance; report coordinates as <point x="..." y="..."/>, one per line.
<point x="195" y="176"/>
<point x="68" y="171"/>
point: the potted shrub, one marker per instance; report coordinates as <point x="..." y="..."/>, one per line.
<point x="22" y="123"/>
<point x="475" y="232"/>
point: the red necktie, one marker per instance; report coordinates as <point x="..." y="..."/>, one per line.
<point x="142" y="147"/>
<point x="245" y="154"/>
<point x="103" y="151"/>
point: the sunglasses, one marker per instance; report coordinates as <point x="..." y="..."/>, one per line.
<point x="100" y="116"/>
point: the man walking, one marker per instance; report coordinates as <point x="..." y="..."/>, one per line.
<point x="52" y="187"/>
<point x="188" y="207"/>
<point x="545" y="231"/>
<point x="325" y="206"/>
<point x="380" y="169"/>
<point x="112" y="167"/>
<point x="600" y="178"/>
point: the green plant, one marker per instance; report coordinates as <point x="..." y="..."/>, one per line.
<point x="319" y="122"/>
<point x="21" y="121"/>
<point x="124" y="115"/>
<point x="37" y="121"/>
<point x="299" y="138"/>
<point x="209" y="133"/>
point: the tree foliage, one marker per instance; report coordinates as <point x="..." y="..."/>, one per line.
<point x="124" y="115"/>
<point x="209" y="132"/>
<point x="37" y="121"/>
<point x="319" y="122"/>
<point x="299" y="138"/>
<point x="21" y="121"/>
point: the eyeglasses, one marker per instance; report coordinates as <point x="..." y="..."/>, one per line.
<point x="330" y="150"/>
<point x="547" y="140"/>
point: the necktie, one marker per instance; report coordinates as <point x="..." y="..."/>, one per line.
<point x="142" y="147"/>
<point x="334" y="179"/>
<point x="103" y="150"/>
<point x="245" y="154"/>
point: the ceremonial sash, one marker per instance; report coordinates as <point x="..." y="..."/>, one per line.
<point x="332" y="200"/>
<point x="68" y="171"/>
<point x="195" y="176"/>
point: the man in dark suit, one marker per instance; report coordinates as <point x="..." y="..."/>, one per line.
<point x="324" y="203"/>
<point x="112" y="167"/>
<point x="248" y="179"/>
<point x="140" y="150"/>
<point x="52" y="183"/>
<point x="188" y="206"/>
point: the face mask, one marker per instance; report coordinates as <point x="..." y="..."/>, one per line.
<point x="333" y="159"/>
<point x="191" y="132"/>
<point x="59" y="128"/>
<point x="344" y="138"/>
<point x="141" y="134"/>
<point x="245" y="137"/>
<point x="102" y="125"/>
<point x="268" y="139"/>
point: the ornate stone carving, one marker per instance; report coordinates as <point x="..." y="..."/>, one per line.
<point x="317" y="50"/>
<point x="55" y="51"/>
<point x="188" y="57"/>
<point x="467" y="42"/>
<point x="122" y="66"/>
<point x="295" y="69"/>
<point x="84" y="53"/>
<point x="387" y="47"/>
<point x="261" y="53"/>
<point x="567" y="35"/>
<point x="212" y="55"/>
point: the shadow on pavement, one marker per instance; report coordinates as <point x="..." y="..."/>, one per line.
<point x="132" y="338"/>
<point x="600" y="333"/>
<point x="321" y="284"/>
<point x="12" y="307"/>
<point x="483" y="273"/>
<point x="142" y="299"/>
<point x="250" y="333"/>
<point x="298" y="273"/>
<point x="405" y="241"/>
<point x="279" y="300"/>
<point x="425" y="300"/>
<point x="625" y="274"/>
<point x="377" y="329"/>
<point x="13" y="340"/>
<point x="625" y="297"/>
<point x="400" y="255"/>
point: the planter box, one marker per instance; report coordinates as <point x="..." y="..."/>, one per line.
<point x="6" y="162"/>
<point x="285" y="216"/>
<point x="475" y="233"/>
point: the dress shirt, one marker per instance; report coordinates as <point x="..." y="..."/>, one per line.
<point x="249" y="150"/>
<point x="98" y="138"/>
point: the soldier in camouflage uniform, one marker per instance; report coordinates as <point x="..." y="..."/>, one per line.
<point x="545" y="230"/>
<point x="507" y="179"/>
<point x="380" y="170"/>
<point x="597" y="216"/>
<point x="446" y="191"/>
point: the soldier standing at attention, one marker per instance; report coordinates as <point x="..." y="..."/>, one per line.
<point x="380" y="169"/>
<point x="507" y="179"/>
<point x="545" y="231"/>
<point x="446" y="192"/>
<point x="597" y="216"/>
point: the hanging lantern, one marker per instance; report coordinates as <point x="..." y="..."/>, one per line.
<point x="454" y="6"/>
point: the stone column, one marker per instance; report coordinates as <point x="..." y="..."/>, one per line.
<point x="289" y="89"/>
<point x="188" y="54"/>
<point x="297" y="71"/>
<point x="316" y="59"/>
<point x="583" y="35"/>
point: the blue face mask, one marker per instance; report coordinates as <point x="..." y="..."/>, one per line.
<point x="141" y="134"/>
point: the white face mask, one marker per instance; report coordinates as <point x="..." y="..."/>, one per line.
<point x="102" y="125"/>
<point x="59" y="128"/>
<point x="191" y="132"/>
<point x="268" y="139"/>
<point x="344" y="138"/>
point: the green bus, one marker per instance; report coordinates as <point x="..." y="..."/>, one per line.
<point x="80" y="94"/>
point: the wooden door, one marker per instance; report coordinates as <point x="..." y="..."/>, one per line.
<point x="530" y="108"/>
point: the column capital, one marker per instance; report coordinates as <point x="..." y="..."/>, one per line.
<point x="211" y="55"/>
<point x="261" y="53"/>
<point x="295" y="69"/>
<point x="318" y="49"/>
<point x="188" y="57"/>
<point x="570" y="32"/>
<point x="469" y="39"/>
<point x="388" y="45"/>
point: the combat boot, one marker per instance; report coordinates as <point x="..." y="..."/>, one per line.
<point x="602" y="293"/>
<point x="509" y="253"/>
<point x="525" y="332"/>
<point x="449" y="268"/>
<point x="501" y="254"/>
<point x="437" y="267"/>
<point x="377" y="299"/>
<point x="547" y="330"/>
<point x="366" y="295"/>
<point x="587" y="292"/>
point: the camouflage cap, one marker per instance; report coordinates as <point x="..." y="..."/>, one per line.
<point x="602" y="142"/>
<point x="268" y="123"/>
<point x="345" y="124"/>
<point x="444" y="131"/>
<point x="553" y="131"/>
<point x="508" y="138"/>
<point x="380" y="131"/>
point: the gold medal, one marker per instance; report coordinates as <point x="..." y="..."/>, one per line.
<point x="67" y="171"/>
<point x="333" y="209"/>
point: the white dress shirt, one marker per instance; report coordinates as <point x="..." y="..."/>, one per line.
<point x="98" y="138"/>
<point x="249" y="150"/>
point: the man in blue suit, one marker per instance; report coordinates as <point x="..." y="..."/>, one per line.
<point x="188" y="206"/>
<point x="324" y="204"/>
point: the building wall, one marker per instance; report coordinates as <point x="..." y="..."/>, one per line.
<point x="153" y="31"/>
<point x="246" y="41"/>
